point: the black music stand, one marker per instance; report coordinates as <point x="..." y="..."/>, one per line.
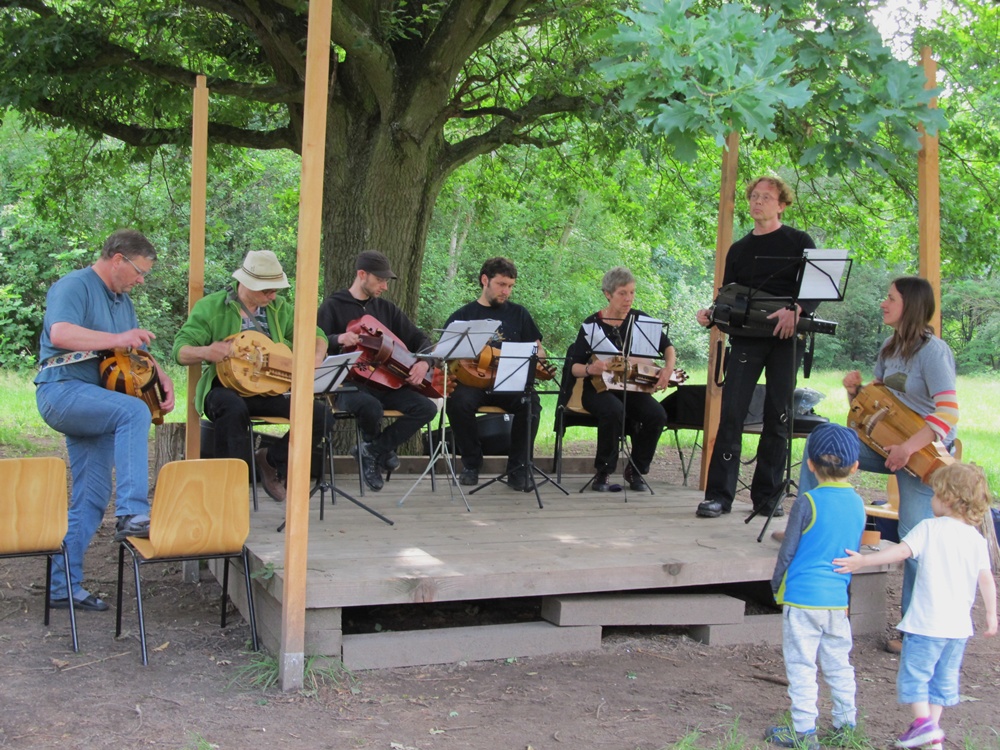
<point x="820" y="276"/>
<point x="328" y="378"/>
<point x="516" y="374"/>
<point x="631" y="346"/>
<point x="460" y="340"/>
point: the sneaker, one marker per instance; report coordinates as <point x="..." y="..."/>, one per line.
<point x="369" y="466"/>
<point x="921" y="732"/>
<point x="469" y="477"/>
<point x="634" y="479"/>
<point x="845" y="736"/>
<point x="389" y="461"/>
<point x="602" y="483"/>
<point x="787" y="737"/>
<point x="273" y="485"/>
<point x="137" y="525"/>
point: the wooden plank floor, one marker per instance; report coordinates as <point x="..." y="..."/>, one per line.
<point x="508" y="547"/>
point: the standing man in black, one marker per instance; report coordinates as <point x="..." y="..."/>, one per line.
<point x="763" y="260"/>
<point x="368" y="403"/>
<point x="497" y="277"/>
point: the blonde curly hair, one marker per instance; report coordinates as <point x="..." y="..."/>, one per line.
<point x="963" y="488"/>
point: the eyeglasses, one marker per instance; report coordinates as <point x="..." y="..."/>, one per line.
<point x="142" y="274"/>
<point x="762" y="197"/>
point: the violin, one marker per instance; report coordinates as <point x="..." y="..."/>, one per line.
<point x="482" y="372"/>
<point x="385" y="361"/>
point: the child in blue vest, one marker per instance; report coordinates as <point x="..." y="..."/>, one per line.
<point x="952" y="559"/>
<point x="814" y="598"/>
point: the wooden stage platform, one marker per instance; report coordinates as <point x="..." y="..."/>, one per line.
<point x="587" y="560"/>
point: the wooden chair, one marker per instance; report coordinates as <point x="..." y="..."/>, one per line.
<point x="34" y="518"/>
<point x="199" y="512"/>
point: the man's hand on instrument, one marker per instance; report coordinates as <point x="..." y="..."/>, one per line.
<point x="135" y="338"/>
<point x="167" y="402"/>
<point x="217" y="351"/>
<point x="786" y="320"/>
<point x="417" y="373"/>
<point x="348" y="338"/>
<point x="704" y="317"/>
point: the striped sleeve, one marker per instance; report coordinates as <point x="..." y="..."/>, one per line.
<point x="945" y="415"/>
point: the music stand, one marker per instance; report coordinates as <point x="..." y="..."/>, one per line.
<point x="327" y="379"/>
<point x="820" y="276"/>
<point x="462" y="339"/>
<point x="516" y="374"/>
<point x="638" y="342"/>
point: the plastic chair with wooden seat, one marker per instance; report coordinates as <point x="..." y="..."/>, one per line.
<point x="199" y="512"/>
<point x="34" y="518"/>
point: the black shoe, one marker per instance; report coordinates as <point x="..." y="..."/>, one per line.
<point x="521" y="481"/>
<point x="389" y="461"/>
<point x="273" y="485"/>
<point x="370" y="466"/>
<point x="711" y="509"/>
<point x="137" y="526"/>
<point x="766" y="510"/>
<point x="469" y="477"/>
<point x="90" y="603"/>
<point x="602" y="483"/>
<point x="634" y="479"/>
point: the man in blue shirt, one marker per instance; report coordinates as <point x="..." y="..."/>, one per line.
<point x="89" y="312"/>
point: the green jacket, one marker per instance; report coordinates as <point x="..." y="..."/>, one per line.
<point x="217" y="316"/>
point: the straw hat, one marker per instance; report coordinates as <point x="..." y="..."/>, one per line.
<point x="261" y="270"/>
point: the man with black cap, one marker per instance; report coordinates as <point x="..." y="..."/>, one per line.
<point x="368" y="403"/>
<point x="251" y="303"/>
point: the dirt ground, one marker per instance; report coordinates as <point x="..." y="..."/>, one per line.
<point x="645" y="689"/>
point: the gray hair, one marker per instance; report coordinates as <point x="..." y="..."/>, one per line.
<point x="130" y="243"/>
<point x="616" y="278"/>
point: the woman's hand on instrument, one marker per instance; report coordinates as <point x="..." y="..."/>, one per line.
<point x="663" y="380"/>
<point x="785" y="322"/>
<point x="597" y="367"/>
<point x="852" y="383"/>
<point x="348" y="338"/>
<point x="417" y="372"/>
<point x="704" y="317"/>
<point x="898" y="457"/>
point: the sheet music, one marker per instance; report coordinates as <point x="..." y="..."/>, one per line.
<point x="330" y="373"/>
<point x="646" y="337"/>
<point x="821" y="277"/>
<point x="464" y="339"/>
<point x="512" y="367"/>
<point x="599" y="343"/>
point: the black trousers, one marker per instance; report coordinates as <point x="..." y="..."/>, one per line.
<point x="368" y="405"/>
<point x="644" y="421"/>
<point x="749" y="358"/>
<point x="462" y="405"/>
<point x="230" y="413"/>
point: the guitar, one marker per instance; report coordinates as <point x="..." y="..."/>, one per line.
<point x="385" y="361"/>
<point x="133" y="372"/>
<point x="256" y="366"/>
<point x="640" y="375"/>
<point x="482" y="372"/>
<point x="880" y="419"/>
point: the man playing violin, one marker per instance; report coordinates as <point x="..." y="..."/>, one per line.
<point x="250" y="303"/>
<point x="643" y="416"/>
<point x="368" y="403"/>
<point x="89" y="311"/>
<point x="497" y="278"/>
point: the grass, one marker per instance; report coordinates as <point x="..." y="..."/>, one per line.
<point x="262" y="673"/>
<point x="22" y="431"/>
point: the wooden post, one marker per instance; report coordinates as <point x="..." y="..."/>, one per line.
<point x="196" y="242"/>
<point x="929" y="198"/>
<point x="291" y="660"/>
<point x="723" y="240"/>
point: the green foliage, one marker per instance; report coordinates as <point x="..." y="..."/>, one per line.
<point x="814" y="75"/>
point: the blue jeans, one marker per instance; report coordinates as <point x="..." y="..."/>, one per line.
<point x="914" y="503"/>
<point x="929" y="669"/>
<point x="104" y="431"/>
